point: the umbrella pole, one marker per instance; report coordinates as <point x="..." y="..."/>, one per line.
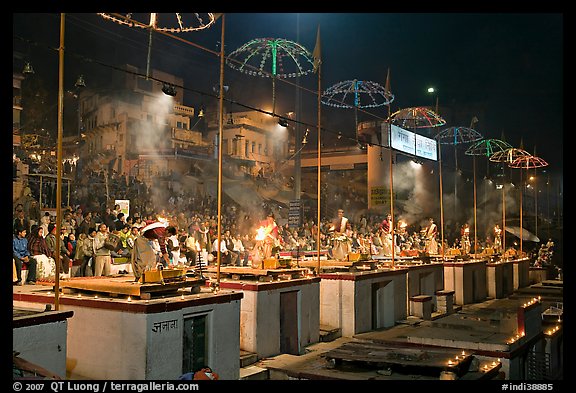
<point x="356" y="123"/>
<point x="59" y="167"/>
<point x="521" y="191"/>
<point x="319" y="103"/>
<point x="503" y="212"/>
<point x="475" y="231"/>
<point x="441" y="198"/>
<point x="273" y="94"/>
<point x="220" y="137"/>
<point x="391" y="191"/>
<point x="535" y="203"/>
<point x="455" y="183"/>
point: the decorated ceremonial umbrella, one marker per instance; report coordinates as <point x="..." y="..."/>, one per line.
<point x="272" y="58"/>
<point x="171" y="23"/>
<point x="357" y="94"/>
<point x="422" y="117"/>
<point x="483" y="147"/>
<point x="455" y="136"/>
<point x="525" y="162"/>
<point x="416" y="117"/>
<point x="506" y="156"/>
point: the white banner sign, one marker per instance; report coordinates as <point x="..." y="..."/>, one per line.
<point x="426" y="148"/>
<point x="413" y="144"/>
<point x="403" y="140"/>
<point x="124" y="206"/>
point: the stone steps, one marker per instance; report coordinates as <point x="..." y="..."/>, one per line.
<point x="328" y="334"/>
<point x="247" y="358"/>
<point x="254" y="373"/>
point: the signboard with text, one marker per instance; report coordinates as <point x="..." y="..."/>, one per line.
<point x="403" y="140"/>
<point x="379" y="196"/>
<point x="426" y="148"/>
<point x="414" y="144"/>
<point x="295" y="214"/>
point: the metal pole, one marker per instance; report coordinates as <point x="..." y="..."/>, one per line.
<point x="455" y="183"/>
<point x="297" y="129"/>
<point x="220" y="138"/>
<point x="521" y="192"/>
<point x="319" y="163"/>
<point x="535" y="203"/>
<point x="475" y="229"/>
<point x="391" y="190"/>
<point x="59" y="160"/>
<point x="503" y="211"/>
<point x="441" y="197"/>
<point x="151" y="27"/>
<point x="548" y="205"/>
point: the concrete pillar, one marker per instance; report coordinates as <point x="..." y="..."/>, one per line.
<point x="445" y="301"/>
<point x="421" y="306"/>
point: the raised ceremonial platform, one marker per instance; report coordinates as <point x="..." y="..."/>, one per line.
<point x="126" y="286"/>
<point x="249" y="273"/>
<point x="335" y="265"/>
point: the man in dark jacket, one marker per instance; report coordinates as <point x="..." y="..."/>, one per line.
<point x="51" y="241"/>
<point x="21" y="255"/>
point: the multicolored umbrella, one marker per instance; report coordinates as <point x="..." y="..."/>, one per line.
<point x="456" y="136"/>
<point x="416" y="117"/>
<point x="357" y="94"/>
<point x="509" y="155"/>
<point x="483" y="147"/>
<point x="272" y="58"/>
<point x="525" y="162"/>
<point x="171" y="22"/>
<point x="506" y="156"/>
<point x="487" y="147"/>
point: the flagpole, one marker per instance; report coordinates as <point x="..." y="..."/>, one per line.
<point x="318" y="64"/>
<point x="441" y="198"/>
<point x="391" y="163"/>
<point x="220" y="137"/>
<point x="475" y="230"/>
<point x="59" y="240"/>
<point x="441" y="191"/>
<point x="503" y="212"/>
<point x="521" y="192"/>
<point x="319" y="162"/>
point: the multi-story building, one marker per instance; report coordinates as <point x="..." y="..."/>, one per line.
<point x="251" y="139"/>
<point x="138" y="130"/>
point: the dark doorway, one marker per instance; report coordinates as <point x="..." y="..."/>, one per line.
<point x="195" y="344"/>
<point x="289" y="322"/>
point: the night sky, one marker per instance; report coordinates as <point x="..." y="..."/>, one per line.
<point x="507" y="69"/>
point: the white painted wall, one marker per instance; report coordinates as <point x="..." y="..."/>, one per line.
<point x="44" y="345"/>
<point x="260" y="318"/>
<point x="521" y="273"/>
<point x="347" y="304"/>
<point x="114" y="344"/>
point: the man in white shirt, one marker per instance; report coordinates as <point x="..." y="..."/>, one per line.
<point x="239" y="248"/>
<point x="225" y="255"/>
